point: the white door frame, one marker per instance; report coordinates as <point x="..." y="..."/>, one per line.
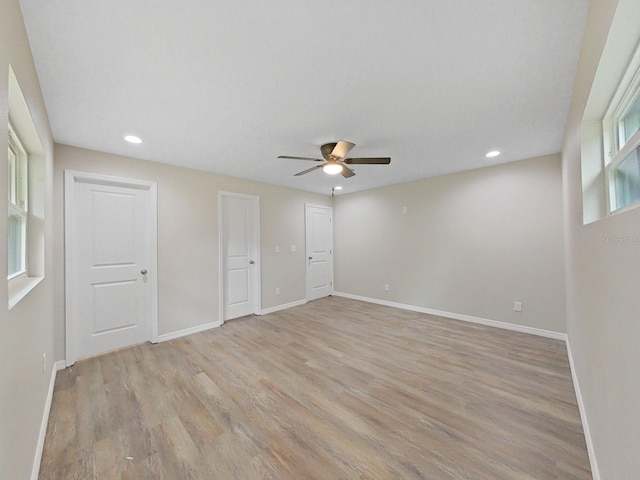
<point x="257" y="285"/>
<point x="306" y="249"/>
<point x="71" y="178"/>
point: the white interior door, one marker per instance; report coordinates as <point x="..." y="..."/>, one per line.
<point x="319" y="245"/>
<point x="110" y="248"/>
<point x="240" y="252"/>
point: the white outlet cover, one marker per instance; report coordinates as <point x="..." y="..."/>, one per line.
<point x="293" y="248"/>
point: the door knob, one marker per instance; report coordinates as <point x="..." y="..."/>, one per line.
<point x="143" y="271"/>
<point x="251" y="262"/>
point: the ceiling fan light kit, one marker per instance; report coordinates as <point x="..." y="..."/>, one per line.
<point x="334" y="161"/>
<point x="332" y="168"/>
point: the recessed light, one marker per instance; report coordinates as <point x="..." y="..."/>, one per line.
<point x="132" y="139"/>
<point x="337" y="188"/>
<point x="493" y="153"/>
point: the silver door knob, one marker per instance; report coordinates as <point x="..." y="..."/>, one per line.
<point x="251" y="262"/>
<point x="143" y="271"/>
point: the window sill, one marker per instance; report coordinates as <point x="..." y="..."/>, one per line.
<point x="19" y="287"/>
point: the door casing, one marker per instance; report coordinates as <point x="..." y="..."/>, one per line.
<point x="71" y="180"/>
<point x="256" y="283"/>
<point x="308" y="253"/>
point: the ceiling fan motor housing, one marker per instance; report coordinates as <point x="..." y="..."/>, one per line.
<point x="326" y="150"/>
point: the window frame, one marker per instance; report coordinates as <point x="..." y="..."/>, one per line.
<point x="18" y="197"/>
<point x="615" y="151"/>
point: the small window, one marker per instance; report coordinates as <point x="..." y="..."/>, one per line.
<point x="626" y="180"/>
<point x="26" y="174"/>
<point x="630" y="122"/>
<point x="18" y="207"/>
<point x="621" y="128"/>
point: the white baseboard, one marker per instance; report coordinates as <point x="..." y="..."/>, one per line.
<point x="201" y="328"/>
<point x="187" y="331"/>
<point x="458" y="316"/>
<point x="35" y="470"/>
<point x="284" y="306"/>
<point x="595" y="472"/>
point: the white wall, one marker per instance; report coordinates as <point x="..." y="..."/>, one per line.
<point x="26" y="331"/>
<point x="188" y="236"/>
<point x="470" y="243"/>
<point x="603" y="279"/>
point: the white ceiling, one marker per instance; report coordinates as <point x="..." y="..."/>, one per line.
<point x="227" y="86"/>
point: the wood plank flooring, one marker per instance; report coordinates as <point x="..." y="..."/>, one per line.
<point x="334" y="389"/>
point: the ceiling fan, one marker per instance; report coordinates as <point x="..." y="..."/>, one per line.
<point x="334" y="161"/>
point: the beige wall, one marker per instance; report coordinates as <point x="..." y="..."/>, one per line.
<point x="603" y="278"/>
<point x="26" y="331"/>
<point x="188" y="236"/>
<point x="471" y="243"/>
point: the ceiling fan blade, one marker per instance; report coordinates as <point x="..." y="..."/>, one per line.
<point x="341" y="149"/>
<point x="300" y="158"/>
<point x="307" y="170"/>
<point x="368" y="161"/>
<point x="347" y="172"/>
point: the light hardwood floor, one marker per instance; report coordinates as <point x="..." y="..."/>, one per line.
<point x="334" y="389"/>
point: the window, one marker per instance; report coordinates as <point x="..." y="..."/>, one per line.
<point x="26" y="163"/>
<point x="609" y="138"/>
<point x="621" y="128"/>
<point x="18" y="207"/>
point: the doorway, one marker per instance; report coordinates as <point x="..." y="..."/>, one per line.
<point x="239" y="276"/>
<point x="319" y="251"/>
<point x="110" y="260"/>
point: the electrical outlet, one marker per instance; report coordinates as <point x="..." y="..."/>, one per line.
<point x="404" y="210"/>
<point x="293" y="248"/>
<point x="517" y="306"/>
<point x="277" y="248"/>
<point x="44" y="363"/>
<point x="277" y="290"/>
<point x="386" y="287"/>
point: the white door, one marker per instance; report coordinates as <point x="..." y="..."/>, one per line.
<point x="240" y="254"/>
<point x="110" y="255"/>
<point x="319" y="245"/>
